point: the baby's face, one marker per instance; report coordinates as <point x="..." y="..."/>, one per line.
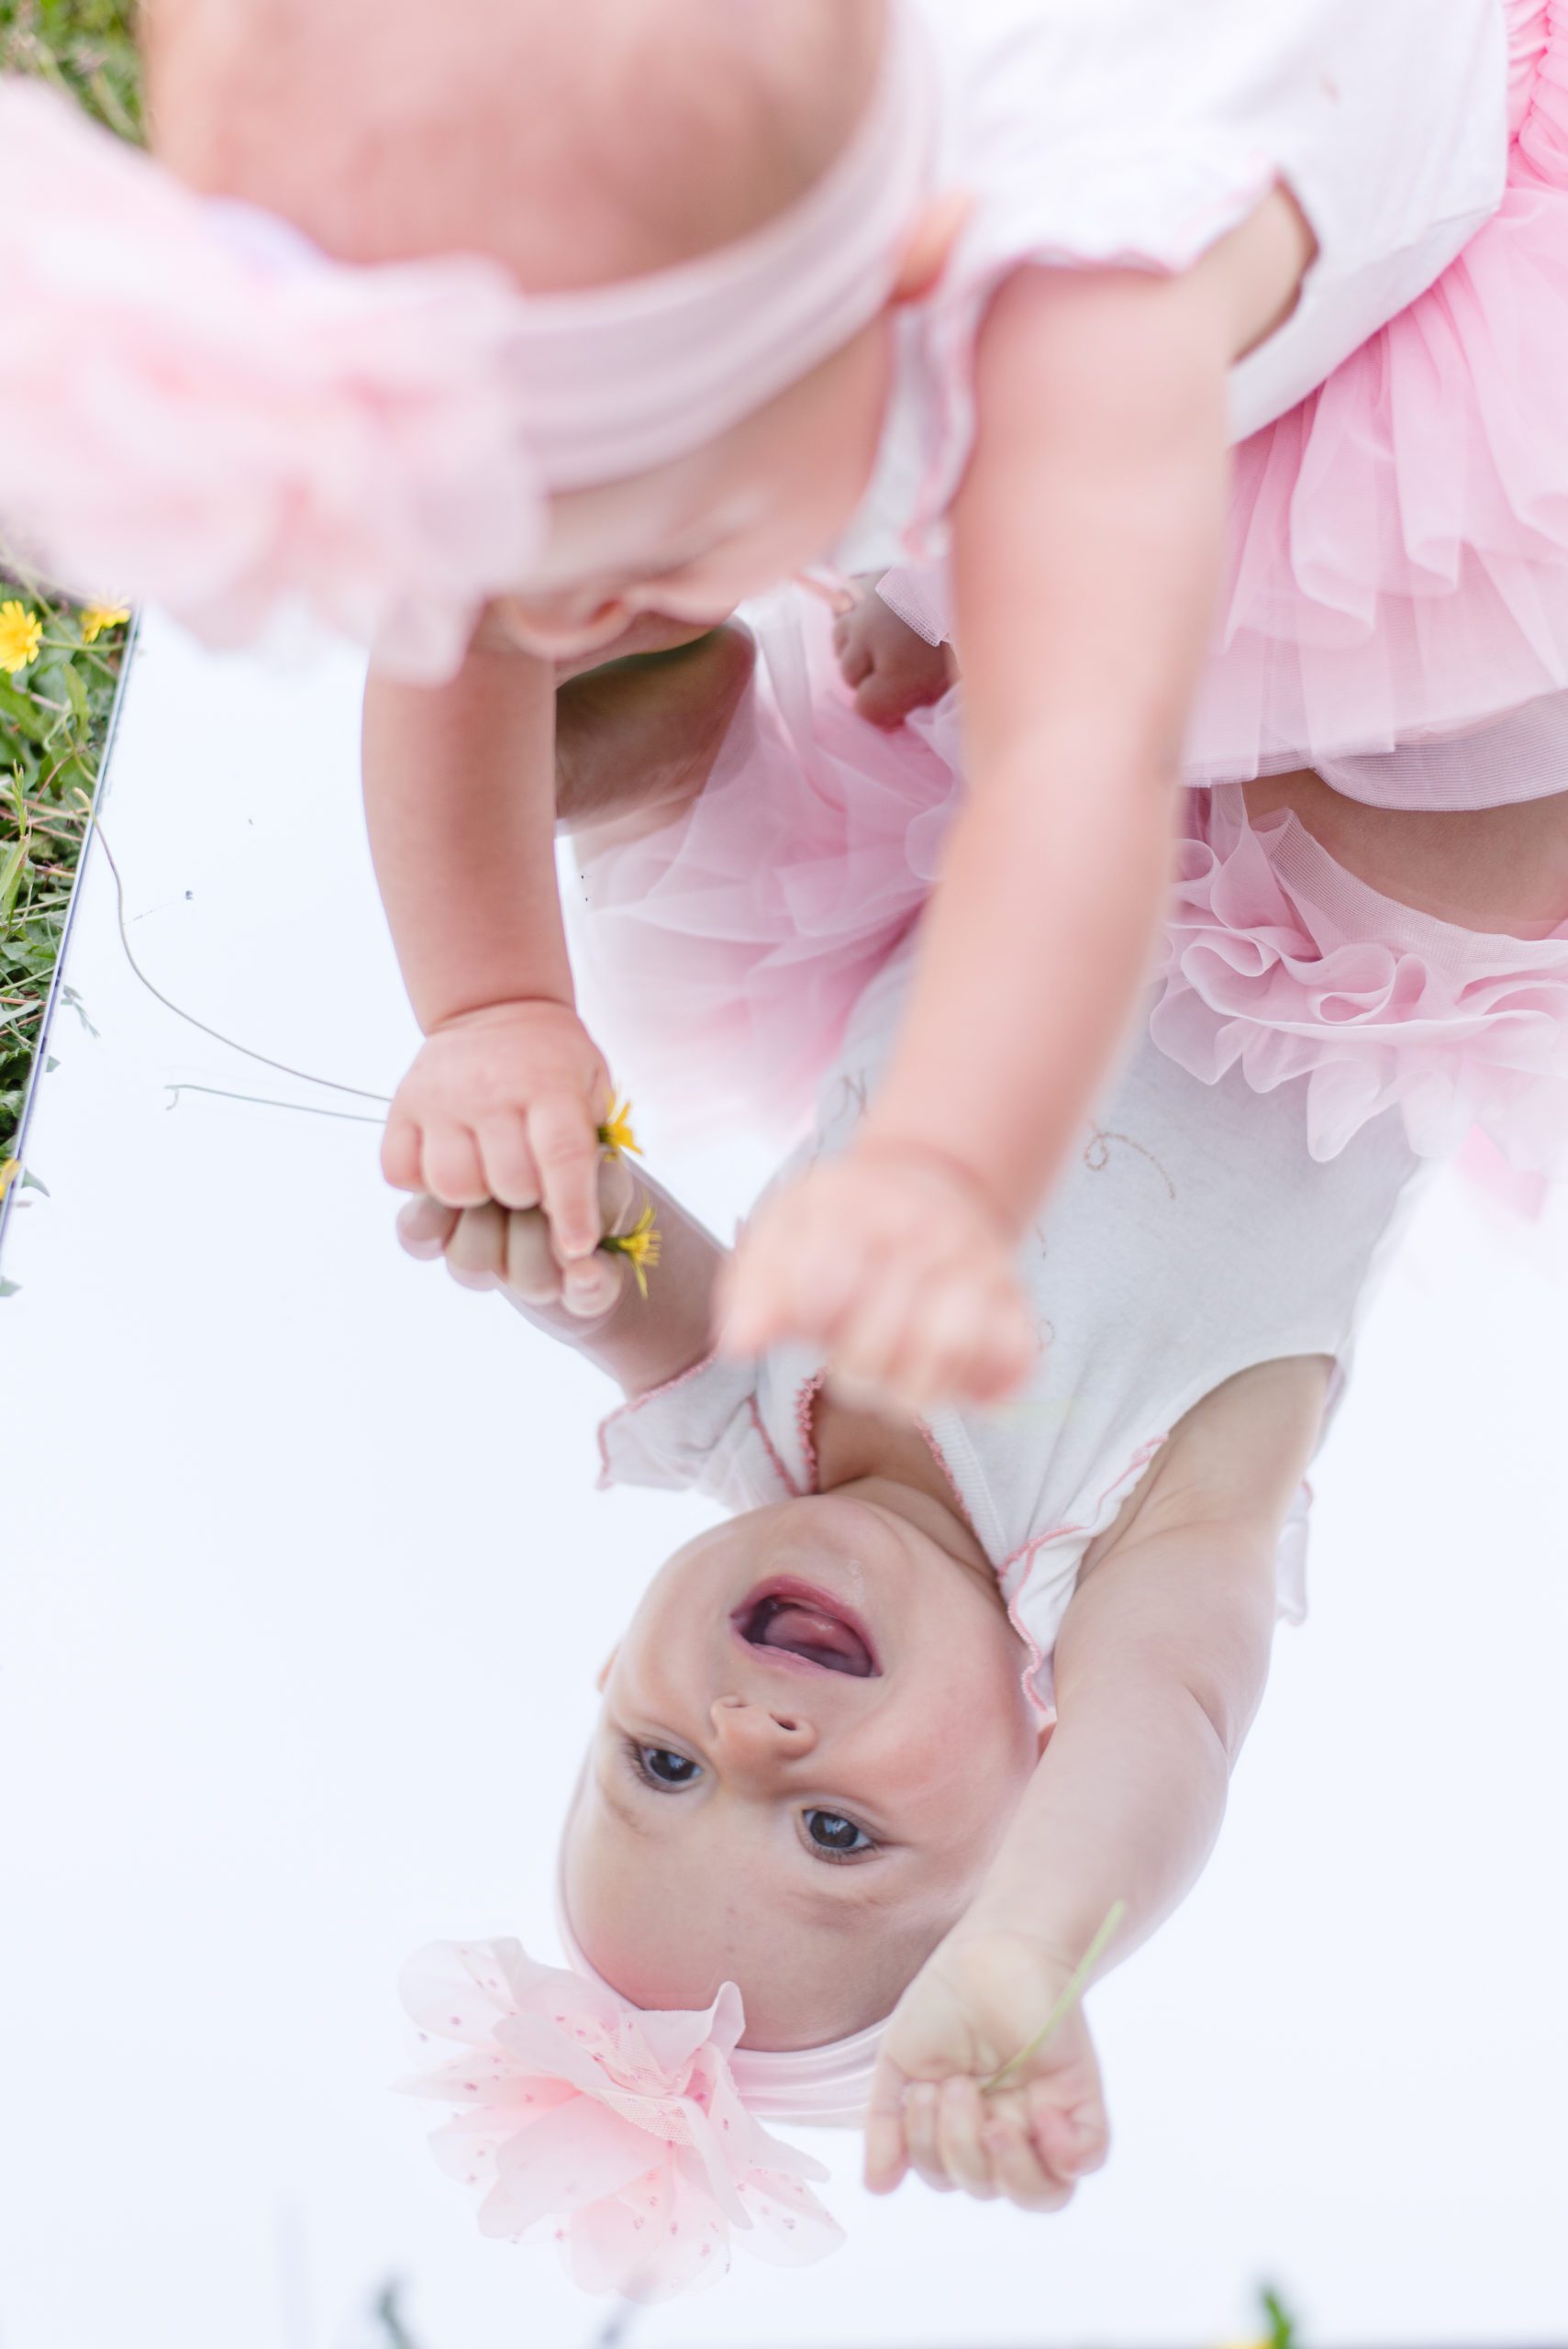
<point x="694" y="538"/>
<point x="578" y="148"/>
<point x="812" y="1740"/>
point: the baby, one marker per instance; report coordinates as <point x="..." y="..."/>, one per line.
<point x="1031" y="266"/>
<point x="1073" y="1595"/>
<point x="943" y="1693"/>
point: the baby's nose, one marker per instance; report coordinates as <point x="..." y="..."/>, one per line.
<point x="755" y="1736"/>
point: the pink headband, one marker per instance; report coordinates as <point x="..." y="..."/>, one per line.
<point x="631" y="2139"/>
<point x="200" y="410"/>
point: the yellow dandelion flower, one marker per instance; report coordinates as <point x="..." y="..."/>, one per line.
<point x="21" y="633"/>
<point x="99" y="617"/>
<point x="641" y="1246"/>
<point x="615" y="1133"/>
<point x="9" y="1173"/>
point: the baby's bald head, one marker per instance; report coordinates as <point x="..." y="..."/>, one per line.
<point x="579" y="145"/>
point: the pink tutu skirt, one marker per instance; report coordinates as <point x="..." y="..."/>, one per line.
<point x="1398" y="562"/>
<point x="1397" y="565"/>
<point x="722" y="953"/>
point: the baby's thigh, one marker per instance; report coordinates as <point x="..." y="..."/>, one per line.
<point x="1502" y="870"/>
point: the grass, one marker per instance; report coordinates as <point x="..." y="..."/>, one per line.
<point x="54" y="708"/>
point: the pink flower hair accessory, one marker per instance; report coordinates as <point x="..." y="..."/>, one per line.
<point x="619" y="2134"/>
<point x="198" y="409"/>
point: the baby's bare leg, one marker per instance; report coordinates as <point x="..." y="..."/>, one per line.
<point x="1502" y="870"/>
<point x="640" y="735"/>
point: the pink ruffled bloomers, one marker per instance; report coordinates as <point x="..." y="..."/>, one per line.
<point x="1281" y="964"/>
<point x="724" y="952"/>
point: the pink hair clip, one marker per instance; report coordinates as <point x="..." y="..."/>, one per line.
<point x="618" y="2134"/>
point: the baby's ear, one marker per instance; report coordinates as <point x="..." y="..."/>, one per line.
<point x="605" y="1669"/>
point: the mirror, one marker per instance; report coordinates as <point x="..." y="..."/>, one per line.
<point x="309" y="1591"/>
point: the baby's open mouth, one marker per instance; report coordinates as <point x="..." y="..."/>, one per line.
<point x="791" y="1619"/>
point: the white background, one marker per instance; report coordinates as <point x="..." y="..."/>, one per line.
<point x="304" y="1585"/>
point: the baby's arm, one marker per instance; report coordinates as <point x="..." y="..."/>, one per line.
<point x="1086" y="549"/>
<point x="1086" y="556"/>
<point x="504" y="1100"/>
<point x="1160" y="1667"/>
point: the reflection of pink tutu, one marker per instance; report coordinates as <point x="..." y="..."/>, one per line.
<point x="725" y="951"/>
<point x="722" y="955"/>
<point x="1400" y="555"/>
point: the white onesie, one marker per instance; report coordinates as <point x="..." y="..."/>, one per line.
<point x="1141" y="131"/>
<point x="1192" y="1237"/>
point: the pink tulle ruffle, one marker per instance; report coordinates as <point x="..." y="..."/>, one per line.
<point x="1282" y="964"/>
<point x="720" y="957"/>
<point x="1399" y="544"/>
<point x="723" y="955"/>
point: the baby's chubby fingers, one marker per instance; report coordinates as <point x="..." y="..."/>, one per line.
<point x="586" y="1285"/>
<point x="795" y="1274"/>
<point x="970" y="1339"/>
<point x="1010" y="1346"/>
<point x="400" y="1153"/>
<point x="532" y="1271"/>
<point x="476" y="1252"/>
<point x="450" y="1167"/>
<point x="922" y="2121"/>
<point x="1021" y="2173"/>
<point x="872" y="1334"/>
<point x="886" y="2146"/>
<point x="1071" y="2142"/>
<point x="534" y="1274"/>
<point x="508" y="1162"/>
<point x="424" y="1226"/>
<point x="960" y="2137"/>
<point x="564" y="1135"/>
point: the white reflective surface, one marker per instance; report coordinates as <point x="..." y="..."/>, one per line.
<point x="306" y="1583"/>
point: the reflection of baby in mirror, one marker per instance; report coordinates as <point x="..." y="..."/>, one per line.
<point x="896" y="1737"/>
<point x="885" y="1749"/>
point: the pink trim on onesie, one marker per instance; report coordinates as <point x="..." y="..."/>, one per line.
<point x="791" y="1484"/>
<point x="806" y="1398"/>
<point x="1013" y="1572"/>
<point x="810" y="1390"/>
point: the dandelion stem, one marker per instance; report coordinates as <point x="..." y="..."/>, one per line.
<point x="1077" y="1983"/>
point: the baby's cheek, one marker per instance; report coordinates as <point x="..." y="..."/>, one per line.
<point x="973" y="1748"/>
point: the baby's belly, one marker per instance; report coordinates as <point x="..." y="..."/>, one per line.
<point x="1496" y="869"/>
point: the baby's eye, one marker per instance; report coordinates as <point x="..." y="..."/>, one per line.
<point x="666" y="1769"/>
<point x="840" y="1837"/>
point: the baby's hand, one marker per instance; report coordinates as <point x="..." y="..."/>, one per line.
<point x="890" y="669"/>
<point x="977" y="2002"/>
<point x="510" y="1247"/>
<point x="897" y="1268"/>
<point x="505" y="1103"/>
